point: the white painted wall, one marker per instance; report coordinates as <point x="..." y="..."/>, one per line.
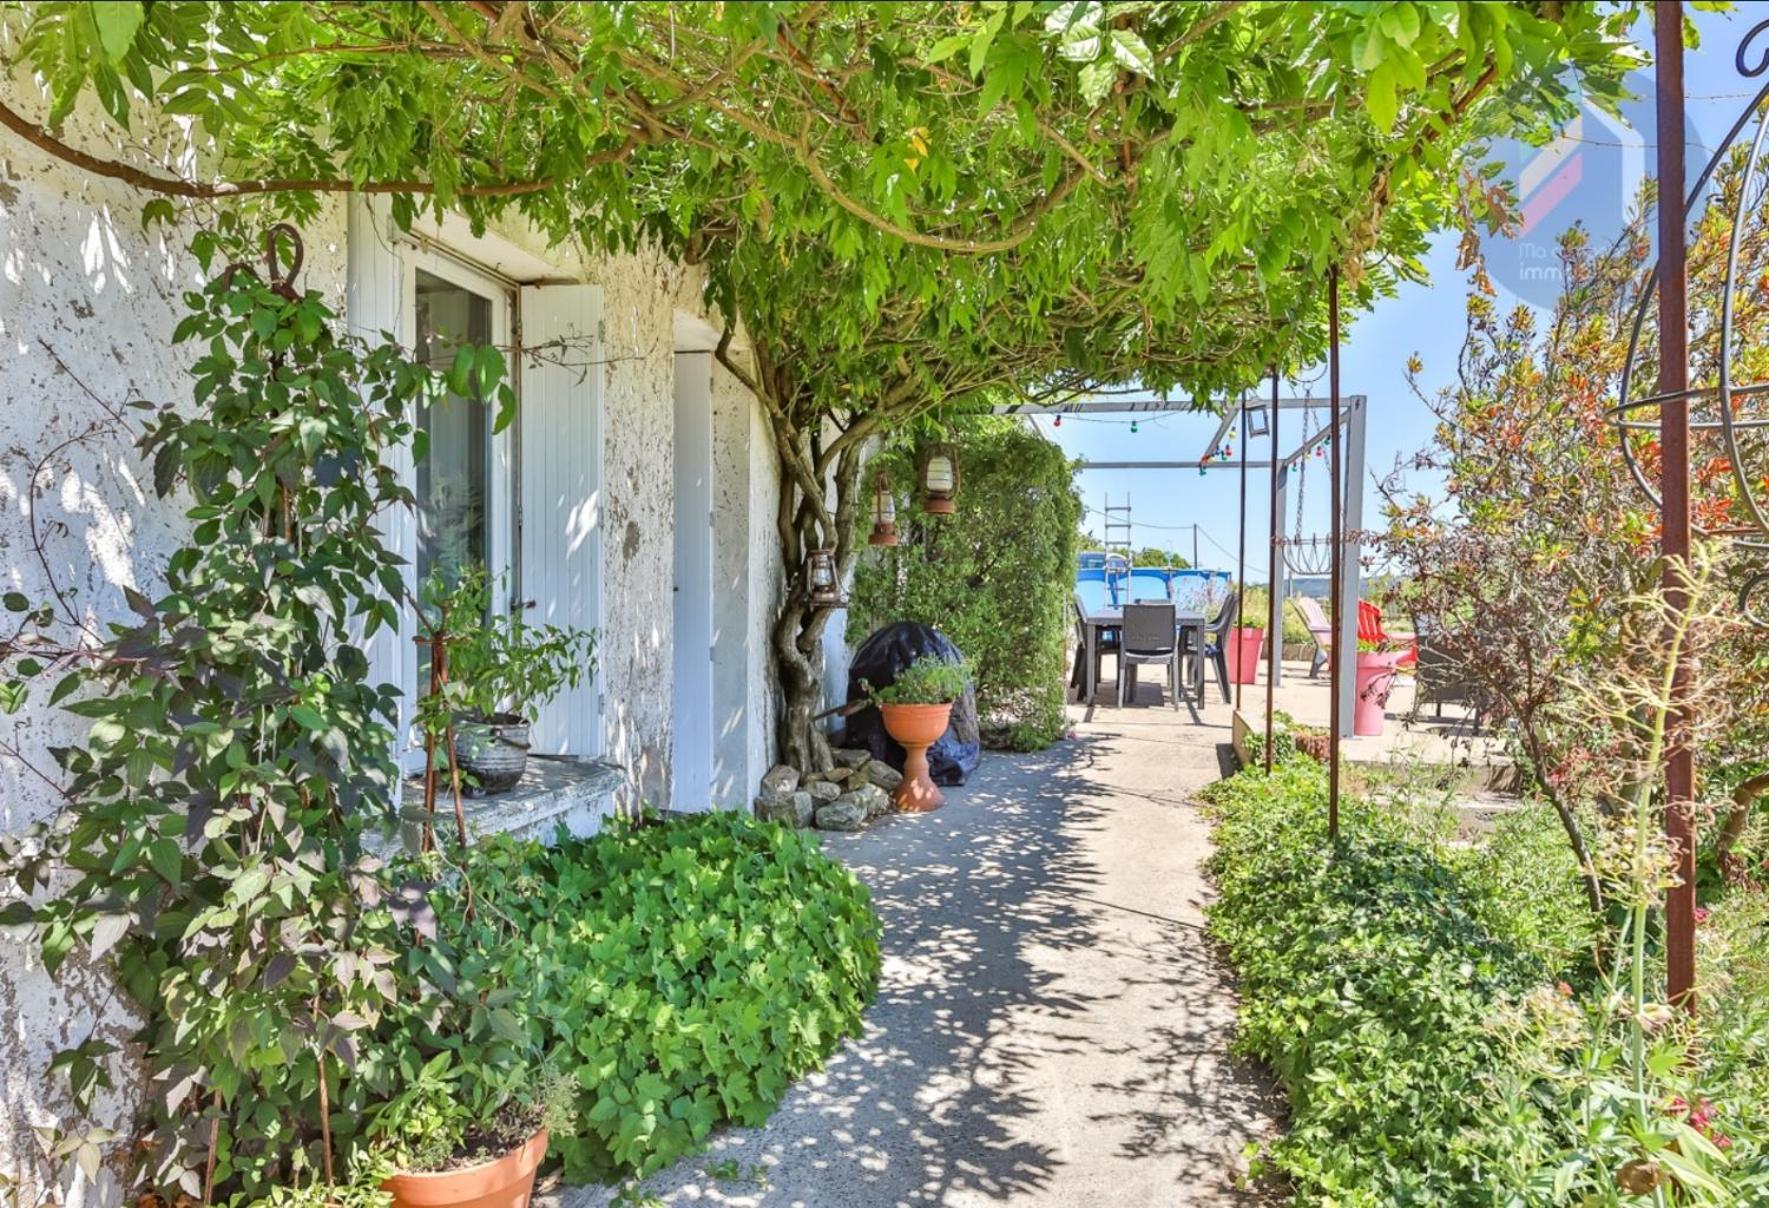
<point x="88" y="301"/>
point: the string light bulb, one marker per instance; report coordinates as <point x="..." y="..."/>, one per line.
<point x="1057" y="422"/>
<point x="1133" y="426"/>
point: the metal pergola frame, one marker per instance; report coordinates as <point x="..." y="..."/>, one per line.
<point x="1353" y="411"/>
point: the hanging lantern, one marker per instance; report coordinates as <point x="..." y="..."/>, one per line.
<point x="884" y="512"/>
<point x="937" y="471"/>
<point x="1258" y="421"/>
<point x="825" y="588"/>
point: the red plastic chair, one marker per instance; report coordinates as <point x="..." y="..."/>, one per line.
<point x="1369" y="629"/>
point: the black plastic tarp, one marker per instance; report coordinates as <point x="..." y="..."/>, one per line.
<point x="879" y="659"/>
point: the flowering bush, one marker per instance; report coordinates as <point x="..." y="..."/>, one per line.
<point x="1527" y="575"/>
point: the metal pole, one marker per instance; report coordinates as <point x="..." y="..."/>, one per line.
<point x="1338" y="552"/>
<point x="1271" y="657"/>
<point x="1351" y="511"/>
<point x="1240" y="564"/>
<point x="1673" y="419"/>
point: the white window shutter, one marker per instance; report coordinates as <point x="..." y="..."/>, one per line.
<point x="559" y="487"/>
<point x="373" y="309"/>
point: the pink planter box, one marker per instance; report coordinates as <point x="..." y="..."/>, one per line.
<point x="1244" y="649"/>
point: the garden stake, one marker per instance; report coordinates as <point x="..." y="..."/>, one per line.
<point x="1240" y="567"/>
<point x="325" y="1109"/>
<point x="1273" y="640"/>
<point x="1673" y="418"/>
<point x="214" y="1147"/>
<point x="1337" y="554"/>
<point x="428" y="841"/>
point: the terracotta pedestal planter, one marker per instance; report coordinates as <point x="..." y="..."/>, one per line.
<point x="505" y="1182"/>
<point x="916" y="728"/>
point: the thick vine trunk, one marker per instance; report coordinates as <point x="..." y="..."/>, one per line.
<point x="822" y="448"/>
<point x="801" y="740"/>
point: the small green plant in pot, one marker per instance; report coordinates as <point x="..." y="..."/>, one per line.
<point x="917" y="708"/>
<point x="468" y="1132"/>
<point x="502" y="671"/>
<point x="464" y="1091"/>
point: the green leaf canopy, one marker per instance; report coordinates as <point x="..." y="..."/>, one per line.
<point x="905" y="201"/>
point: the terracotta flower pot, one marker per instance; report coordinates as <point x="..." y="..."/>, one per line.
<point x="916" y="728"/>
<point x="505" y="1182"/>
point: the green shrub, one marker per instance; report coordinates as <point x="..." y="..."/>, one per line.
<point x="929" y="680"/>
<point x="1368" y="974"/>
<point x="1415" y="1000"/>
<point x="997" y="577"/>
<point x="684" y="972"/>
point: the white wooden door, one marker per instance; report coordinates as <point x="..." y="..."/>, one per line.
<point x="559" y="476"/>
<point x="691" y="771"/>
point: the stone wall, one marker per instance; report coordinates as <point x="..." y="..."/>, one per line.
<point x="638" y="426"/>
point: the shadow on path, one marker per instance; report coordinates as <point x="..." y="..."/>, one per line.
<point x="1051" y="1028"/>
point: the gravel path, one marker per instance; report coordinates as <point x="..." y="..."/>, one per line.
<point x="1052" y="1027"/>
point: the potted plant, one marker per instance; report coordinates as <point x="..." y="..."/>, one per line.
<point x="501" y="672"/>
<point x="465" y="1097"/>
<point x="1245" y="646"/>
<point x="463" y="1133"/>
<point x="917" y="708"/>
<point x="1377" y="666"/>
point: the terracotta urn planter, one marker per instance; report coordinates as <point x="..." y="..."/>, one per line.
<point x="916" y="728"/>
<point x="505" y="1182"/>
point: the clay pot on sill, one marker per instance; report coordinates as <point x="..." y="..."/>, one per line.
<point x="503" y="1182"/>
<point x="916" y="728"/>
<point x="494" y="749"/>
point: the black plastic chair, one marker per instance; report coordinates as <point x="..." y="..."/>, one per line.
<point x="1107" y="643"/>
<point x="1216" y="644"/>
<point x="1148" y="637"/>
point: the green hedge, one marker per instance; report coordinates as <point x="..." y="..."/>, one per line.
<point x="1432" y="1011"/>
<point x="1368" y="977"/>
<point x="997" y="577"/>
<point x="684" y="972"/>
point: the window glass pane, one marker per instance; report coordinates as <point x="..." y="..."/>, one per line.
<point x="453" y="479"/>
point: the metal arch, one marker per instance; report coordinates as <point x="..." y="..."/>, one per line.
<point x="1625" y="414"/>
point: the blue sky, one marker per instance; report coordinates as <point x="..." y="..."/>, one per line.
<point x="1589" y="177"/>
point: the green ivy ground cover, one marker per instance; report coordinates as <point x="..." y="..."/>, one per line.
<point x="684" y="972"/>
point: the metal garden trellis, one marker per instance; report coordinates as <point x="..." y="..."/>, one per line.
<point x="1673" y="399"/>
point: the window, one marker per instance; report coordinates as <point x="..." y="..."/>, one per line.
<point x="454" y="488"/>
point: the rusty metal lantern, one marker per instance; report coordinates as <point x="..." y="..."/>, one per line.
<point x="936" y="470"/>
<point x="884" y="512"/>
<point x="825" y="584"/>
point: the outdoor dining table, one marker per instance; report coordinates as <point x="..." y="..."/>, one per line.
<point x="1099" y="620"/>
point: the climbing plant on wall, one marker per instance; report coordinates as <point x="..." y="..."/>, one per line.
<point x="996" y="577"/>
<point x="209" y="841"/>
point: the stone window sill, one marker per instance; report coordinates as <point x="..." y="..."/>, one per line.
<point x="554" y="790"/>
